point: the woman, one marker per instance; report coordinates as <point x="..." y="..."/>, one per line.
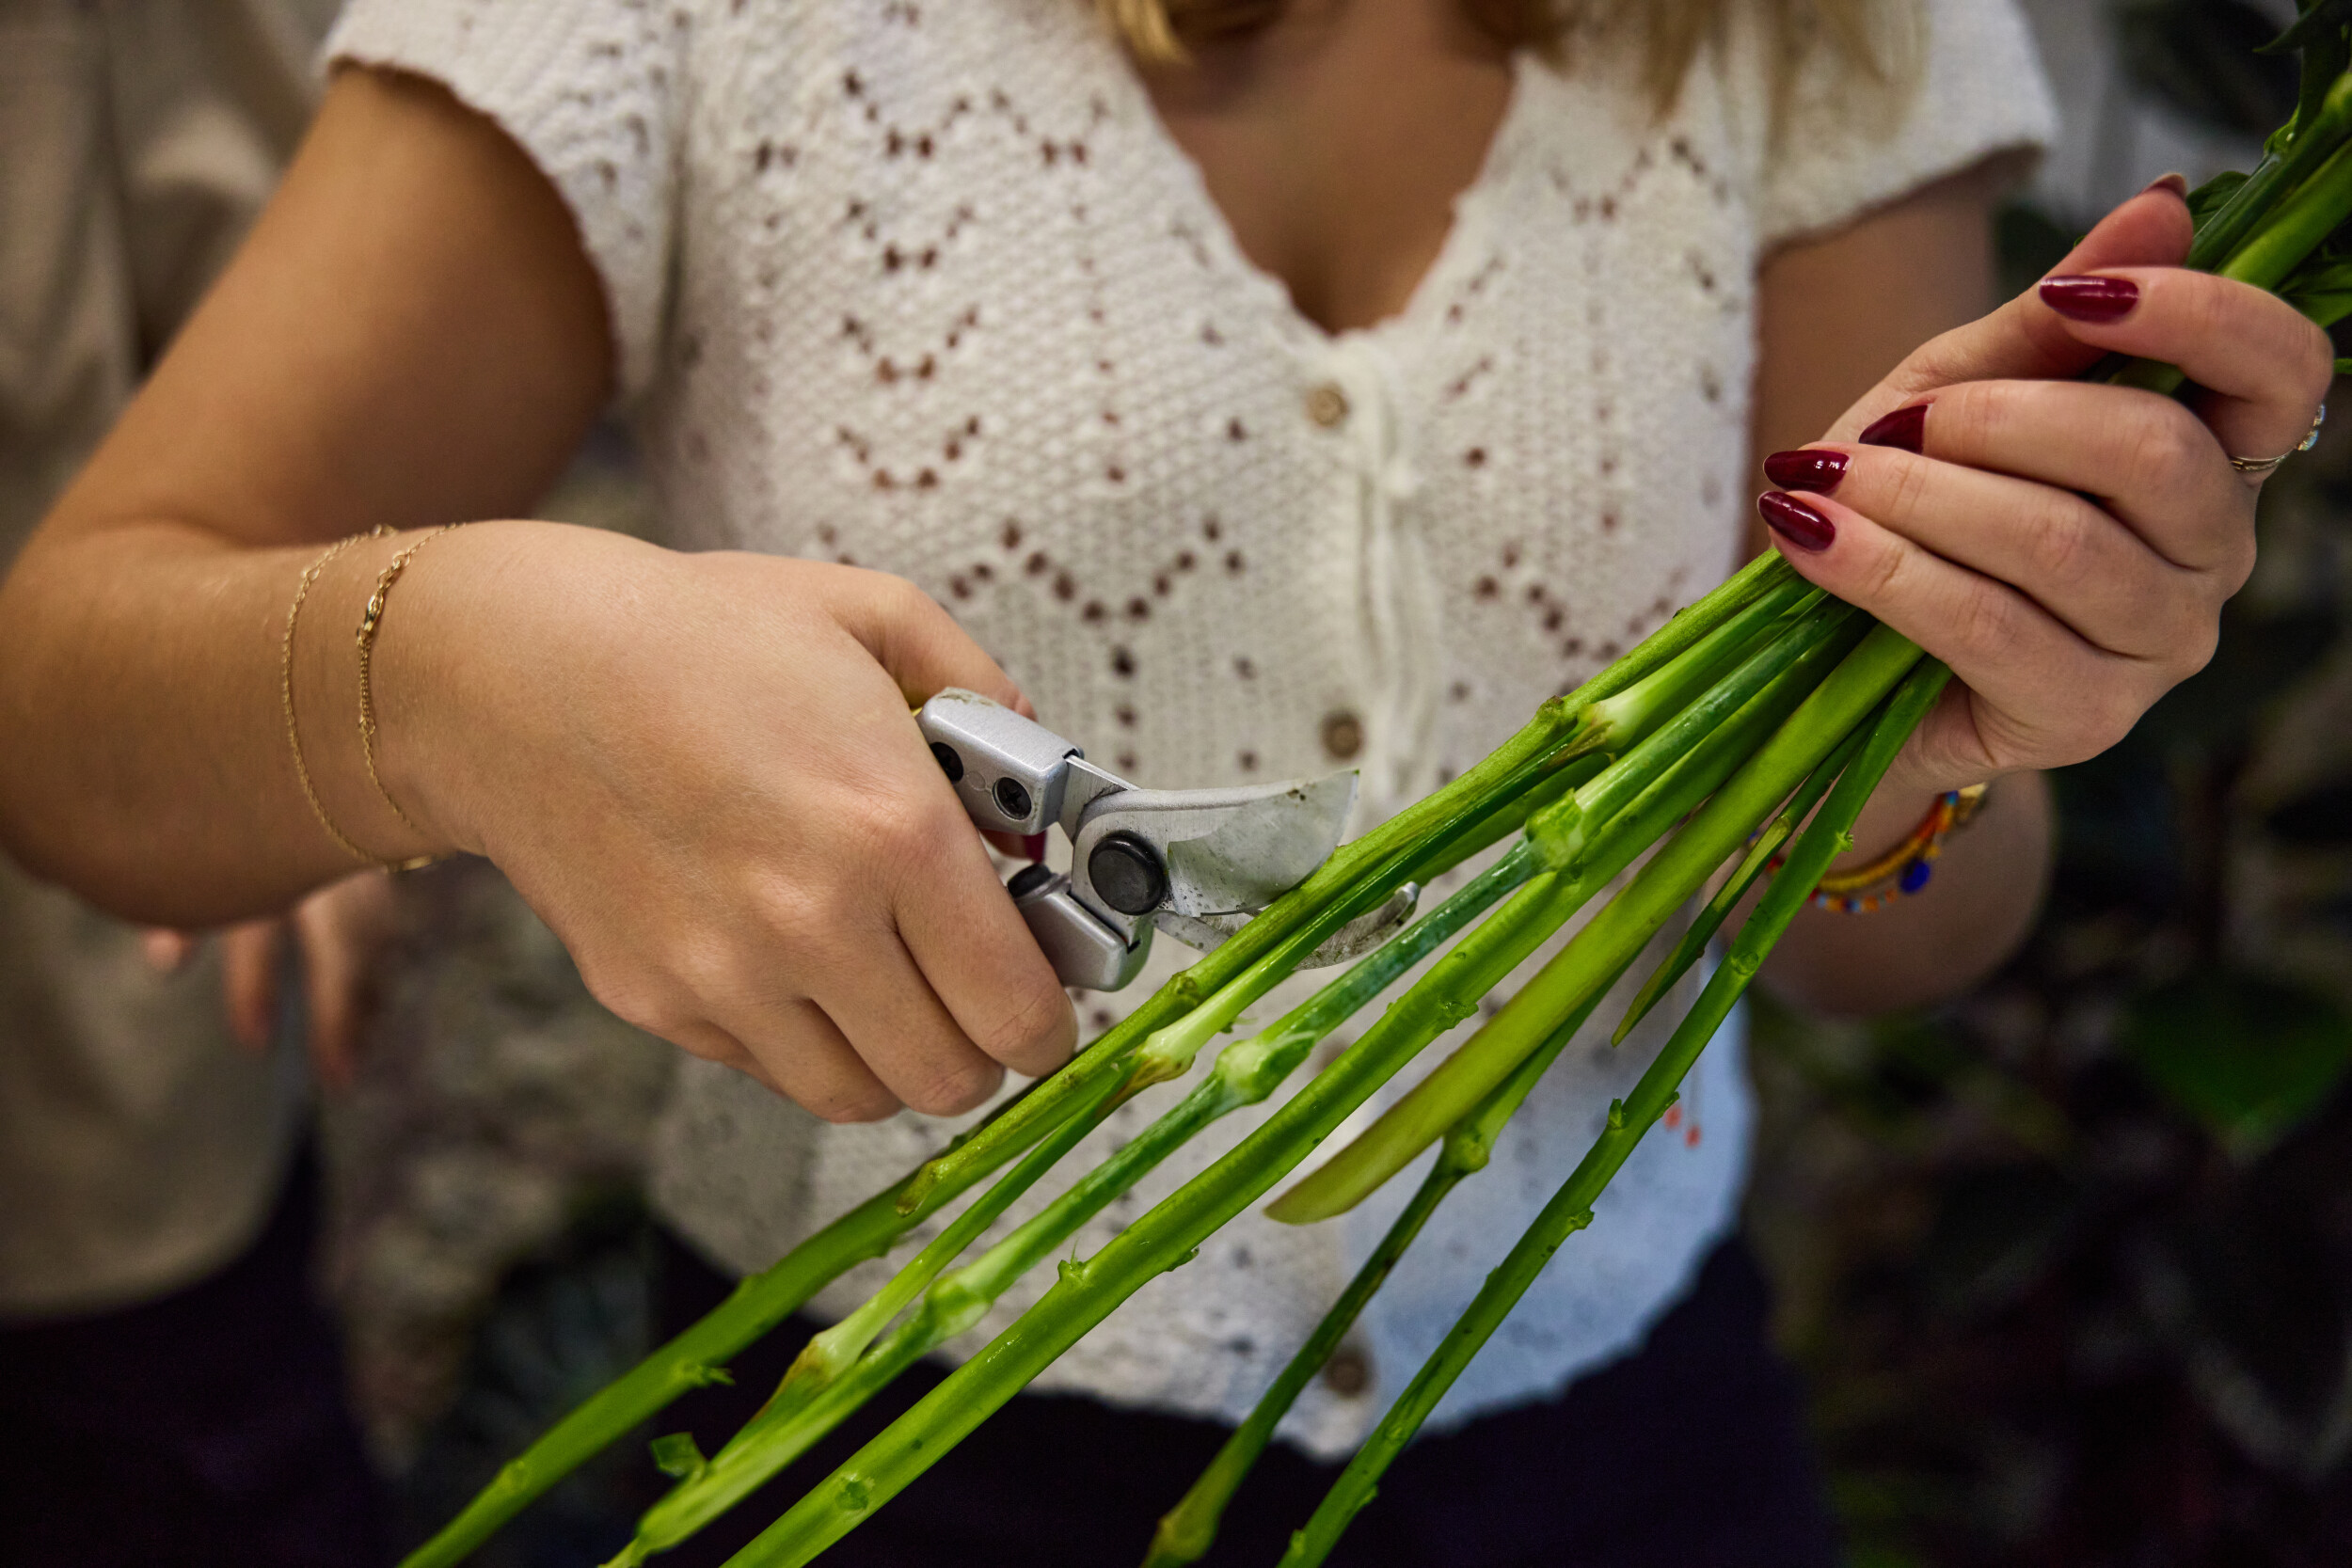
<point x="1329" y="393"/>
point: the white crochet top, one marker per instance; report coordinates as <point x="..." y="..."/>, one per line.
<point x="924" y="285"/>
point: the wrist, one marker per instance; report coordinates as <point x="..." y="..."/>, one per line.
<point x="1902" y="800"/>
<point x="445" y="655"/>
<point x="482" y="661"/>
<point x="320" y="688"/>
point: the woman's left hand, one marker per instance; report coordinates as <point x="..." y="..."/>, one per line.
<point x="341" y="931"/>
<point x="2065" y="547"/>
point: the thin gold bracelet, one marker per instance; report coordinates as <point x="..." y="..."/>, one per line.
<point x="369" y="620"/>
<point x="286" y="699"/>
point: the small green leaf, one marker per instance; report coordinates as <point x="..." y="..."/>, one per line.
<point x="2250" y="1059"/>
<point x="2315" y="22"/>
<point x="676" y="1455"/>
<point x="2209" y="197"/>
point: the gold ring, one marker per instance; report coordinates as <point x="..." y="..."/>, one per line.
<point x="2257" y="466"/>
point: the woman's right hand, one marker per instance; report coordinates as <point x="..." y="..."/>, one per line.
<point x="701" y="771"/>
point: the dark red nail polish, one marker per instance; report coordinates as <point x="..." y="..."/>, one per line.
<point x="1796" y="522"/>
<point x="1811" y="468"/>
<point x="1905" y="429"/>
<point x="2091" y="299"/>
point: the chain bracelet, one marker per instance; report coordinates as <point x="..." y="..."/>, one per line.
<point x="286" y="697"/>
<point x="369" y="620"/>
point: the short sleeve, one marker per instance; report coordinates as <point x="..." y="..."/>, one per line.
<point x="1980" y="90"/>
<point x="592" y="90"/>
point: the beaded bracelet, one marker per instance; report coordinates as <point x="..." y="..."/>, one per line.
<point x="1904" y="869"/>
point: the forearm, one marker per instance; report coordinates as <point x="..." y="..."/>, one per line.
<point x="144" y="753"/>
<point x="1977" y="906"/>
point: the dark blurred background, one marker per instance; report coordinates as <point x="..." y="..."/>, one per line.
<point x="2068" y="1264"/>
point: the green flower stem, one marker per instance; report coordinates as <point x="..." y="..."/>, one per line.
<point x="2297" y="225"/>
<point x="1571" y="1208"/>
<point x="1614" y="937"/>
<point x="1356" y="877"/>
<point x="1360" y="875"/>
<point x="1689" y="626"/>
<point x="1615" y="724"/>
<point x="1587" y="813"/>
<point x="695" y="1359"/>
<point x="1244" y="1073"/>
<point x="1735" y="888"/>
<point x="2273" y="177"/>
<point x="811" y="1395"/>
<point x="1187" y="1531"/>
<point x="1167" y="1236"/>
<point x="697" y="1356"/>
<point x="1509" y="817"/>
<point x="836" y="1349"/>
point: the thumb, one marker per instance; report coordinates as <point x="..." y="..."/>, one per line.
<point x="2025" y="339"/>
<point x="917" y="641"/>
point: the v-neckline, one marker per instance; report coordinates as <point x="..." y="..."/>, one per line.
<point x="1454" y="255"/>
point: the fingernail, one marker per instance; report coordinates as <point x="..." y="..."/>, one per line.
<point x="1905" y="429"/>
<point x="2091" y="299"/>
<point x="2176" y="183"/>
<point x="1810" y="469"/>
<point x="1033" y="846"/>
<point x="1794" y="521"/>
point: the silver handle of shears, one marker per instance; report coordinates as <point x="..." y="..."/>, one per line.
<point x="1013" y="775"/>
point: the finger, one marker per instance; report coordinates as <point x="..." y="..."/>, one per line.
<point x="961" y="929"/>
<point x="2023" y="340"/>
<point x="796" y="1051"/>
<point x="2157" y="467"/>
<point x="2056" y="699"/>
<point x="249" y="960"/>
<point x="2074" y="560"/>
<point x="336" y="985"/>
<point x="1019" y="847"/>
<point x="167" y="951"/>
<point x="879" y="1000"/>
<point x="2264" y="365"/>
<point x="919" y="643"/>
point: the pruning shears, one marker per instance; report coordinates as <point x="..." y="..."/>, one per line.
<point x="1195" y="863"/>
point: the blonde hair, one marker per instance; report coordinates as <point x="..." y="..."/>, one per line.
<point x="1879" y="37"/>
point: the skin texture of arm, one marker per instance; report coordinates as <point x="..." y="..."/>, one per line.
<point x="339" y="349"/>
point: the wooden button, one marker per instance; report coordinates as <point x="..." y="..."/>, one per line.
<point x="1343" y="735"/>
<point x="1327" y="405"/>
<point x="1348" y="1373"/>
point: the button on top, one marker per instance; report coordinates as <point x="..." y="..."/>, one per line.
<point x="1327" y="405"/>
<point x="1343" y="735"/>
<point x="1348" y="1373"/>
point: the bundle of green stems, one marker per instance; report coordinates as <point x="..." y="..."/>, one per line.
<point x="1750" y="729"/>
